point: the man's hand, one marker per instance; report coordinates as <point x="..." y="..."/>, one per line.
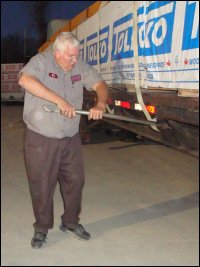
<point x="66" y="109"/>
<point x="96" y="113"/>
<point x="101" y="88"/>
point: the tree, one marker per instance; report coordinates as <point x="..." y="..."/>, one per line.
<point x="38" y="12"/>
<point x="15" y="53"/>
<point x="12" y="49"/>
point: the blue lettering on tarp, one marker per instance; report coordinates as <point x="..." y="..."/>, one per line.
<point x="81" y="53"/>
<point x="194" y="61"/>
<point x="103" y="48"/>
<point x="155" y="28"/>
<point x="91" y="54"/>
<point x="191" y="26"/>
<point x="121" y="39"/>
<point x="149" y="76"/>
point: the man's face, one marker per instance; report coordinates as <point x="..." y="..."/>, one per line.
<point x="67" y="59"/>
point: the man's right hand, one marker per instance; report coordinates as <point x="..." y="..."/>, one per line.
<point x="66" y="109"/>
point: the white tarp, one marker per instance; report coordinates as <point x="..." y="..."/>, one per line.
<point x="168" y="43"/>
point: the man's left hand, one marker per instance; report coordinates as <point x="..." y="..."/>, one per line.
<point x="96" y="113"/>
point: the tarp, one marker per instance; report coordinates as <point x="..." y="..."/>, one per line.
<point x="168" y="43"/>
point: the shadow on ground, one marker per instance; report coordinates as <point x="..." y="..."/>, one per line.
<point x="145" y="214"/>
<point x="100" y="135"/>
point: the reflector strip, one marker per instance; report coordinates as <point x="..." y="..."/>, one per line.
<point x="125" y="104"/>
<point x="138" y="106"/>
<point x="151" y="109"/>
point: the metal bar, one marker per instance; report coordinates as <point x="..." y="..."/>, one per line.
<point x="53" y="108"/>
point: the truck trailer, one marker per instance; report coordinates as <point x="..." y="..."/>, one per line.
<point x="148" y="53"/>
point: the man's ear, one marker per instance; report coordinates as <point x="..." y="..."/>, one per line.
<point x="57" y="54"/>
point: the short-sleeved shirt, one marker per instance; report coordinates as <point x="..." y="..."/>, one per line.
<point x="69" y="85"/>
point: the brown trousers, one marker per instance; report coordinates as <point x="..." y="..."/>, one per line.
<point x="49" y="160"/>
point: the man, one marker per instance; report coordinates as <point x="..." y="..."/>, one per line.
<point x="52" y="142"/>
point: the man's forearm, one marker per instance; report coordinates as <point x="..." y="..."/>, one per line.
<point x="35" y="87"/>
<point x="101" y="89"/>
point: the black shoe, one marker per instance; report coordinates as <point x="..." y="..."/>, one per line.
<point x="38" y="240"/>
<point x="78" y="231"/>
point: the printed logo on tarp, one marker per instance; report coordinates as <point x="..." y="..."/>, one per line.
<point x="121" y="40"/>
<point x="104" y="34"/>
<point x="155" y="27"/>
<point x="91" y="54"/>
<point x="191" y="26"/>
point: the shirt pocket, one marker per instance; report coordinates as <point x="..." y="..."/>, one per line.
<point x="77" y="93"/>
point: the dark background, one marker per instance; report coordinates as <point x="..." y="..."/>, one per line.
<point x="24" y="25"/>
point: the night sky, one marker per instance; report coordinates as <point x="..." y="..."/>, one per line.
<point x="15" y="16"/>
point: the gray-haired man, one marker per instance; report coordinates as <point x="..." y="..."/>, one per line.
<point x="52" y="142"/>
